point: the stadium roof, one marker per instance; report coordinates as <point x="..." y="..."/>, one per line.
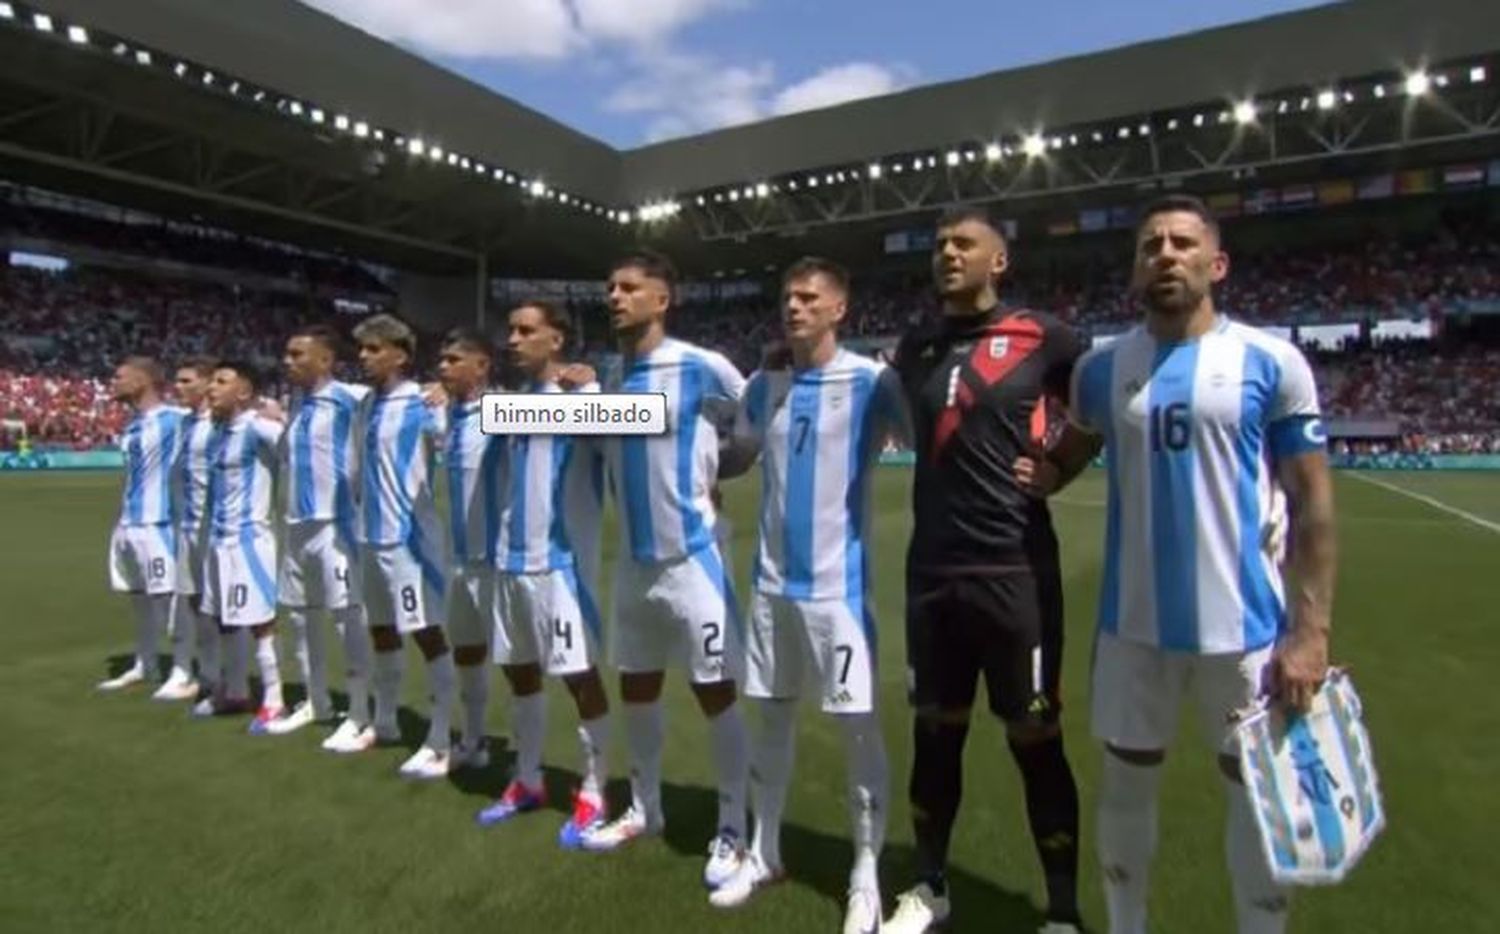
<point x="1305" y="48"/>
<point x="151" y="141"/>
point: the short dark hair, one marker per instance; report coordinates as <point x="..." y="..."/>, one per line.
<point x="147" y="365"/>
<point x="655" y="265"/>
<point x="817" y="265"/>
<point x="1180" y="203"/>
<point x="556" y="317"/>
<point x="322" y="334"/>
<point x="388" y="329"/>
<point x="199" y="363"/>
<point x="959" y="213"/>
<point x="244" y="369"/>
<point x="471" y="340"/>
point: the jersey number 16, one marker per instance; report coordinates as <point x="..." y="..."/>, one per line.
<point x="1171" y="427"/>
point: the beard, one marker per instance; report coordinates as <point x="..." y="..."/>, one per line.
<point x="1171" y="297"/>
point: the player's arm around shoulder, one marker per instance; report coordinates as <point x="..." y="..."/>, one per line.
<point x="1076" y="385"/>
<point x="891" y="412"/>
<point x="741" y="446"/>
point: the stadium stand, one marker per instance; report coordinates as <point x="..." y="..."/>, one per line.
<point x="65" y="329"/>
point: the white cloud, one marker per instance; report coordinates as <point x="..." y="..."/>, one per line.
<point x="672" y="92"/>
<point x="642" y="21"/>
<point x="840" y="84"/>
<point x="536" y="29"/>
<point x="678" y="94"/>
<point x="510" y="29"/>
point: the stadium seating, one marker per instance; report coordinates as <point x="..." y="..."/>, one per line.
<point x="65" y="331"/>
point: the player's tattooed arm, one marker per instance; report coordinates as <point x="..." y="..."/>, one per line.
<point x="1301" y="661"/>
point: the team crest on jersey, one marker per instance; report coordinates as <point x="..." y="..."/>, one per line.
<point x="999" y="346"/>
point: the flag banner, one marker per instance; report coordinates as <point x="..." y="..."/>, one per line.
<point x="1311" y="782"/>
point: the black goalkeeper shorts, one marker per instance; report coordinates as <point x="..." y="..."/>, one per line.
<point x="1004" y="625"/>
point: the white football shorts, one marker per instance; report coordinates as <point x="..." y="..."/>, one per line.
<point x="548" y="619"/>
<point x="471" y="604"/>
<point x="237" y="584"/>
<point x="1137" y="690"/>
<point x="143" y="559"/>
<point x="192" y="556"/>
<point x="403" y="587"/>
<point x="318" y="568"/>
<point x="826" y="646"/>
<point x="680" y="612"/>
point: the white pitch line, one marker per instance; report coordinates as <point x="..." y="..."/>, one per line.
<point x="1430" y="501"/>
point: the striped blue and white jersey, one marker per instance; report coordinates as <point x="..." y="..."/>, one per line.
<point x="1192" y="432"/>
<point x="661" y="483"/>
<point x="322" y="455"/>
<point x="820" y="432"/>
<point x="476" y="465"/>
<point x="554" y="501"/>
<point x="398" y="436"/>
<point x="190" y="477"/>
<point x="150" y="443"/>
<point x="243" y="455"/>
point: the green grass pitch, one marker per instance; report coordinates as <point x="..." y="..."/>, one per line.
<point x="121" y="814"/>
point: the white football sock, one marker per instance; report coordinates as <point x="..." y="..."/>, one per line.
<point x="869" y="791"/>
<point x="770" y="773"/>
<point x="358" y="650"/>
<point x="388" y="667"/>
<point x="146" y="633"/>
<point x="731" y="751"/>
<point x="528" y="721"/>
<point x="184" y="633"/>
<point x="270" y="671"/>
<point x="442" y="683"/>
<point x="209" y="644"/>
<point x="593" y="735"/>
<point x="644" y="735"/>
<point x="1260" y="904"/>
<point x="237" y="677"/>
<point x="474" y="693"/>
<point x="312" y="661"/>
<point x="1127" y="840"/>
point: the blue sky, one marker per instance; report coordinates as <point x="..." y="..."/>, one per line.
<point x="635" y="71"/>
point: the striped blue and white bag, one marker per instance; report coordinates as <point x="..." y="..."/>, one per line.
<point x="1312" y="785"/>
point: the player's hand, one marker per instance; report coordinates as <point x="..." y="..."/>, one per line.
<point x="1037" y="475"/>
<point x="576" y="376"/>
<point x="1299" y="666"/>
<point x="434" y="395"/>
<point x="270" y="409"/>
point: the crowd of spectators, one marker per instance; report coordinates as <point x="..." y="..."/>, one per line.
<point x="63" y="332"/>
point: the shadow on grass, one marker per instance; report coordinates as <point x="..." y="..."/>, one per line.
<point x="821" y="862"/>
